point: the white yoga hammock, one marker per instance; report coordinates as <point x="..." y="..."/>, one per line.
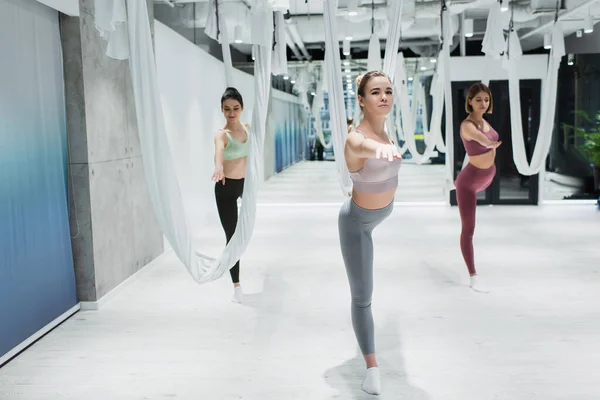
<point x="496" y="47"/>
<point x="437" y="95"/>
<point x="158" y="163"/>
<point x="216" y="28"/>
<point x="549" y="93"/>
<point x="302" y="84"/>
<point x="408" y="115"/>
<point x="444" y="69"/>
<point x="374" y="54"/>
<point x="440" y="91"/>
<point x="332" y="74"/>
<point x="393" y="38"/>
<point x="318" y="101"/>
<point x="280" y="66"/>
<point x="493" y="44"/>
<point x="333" y="77"/>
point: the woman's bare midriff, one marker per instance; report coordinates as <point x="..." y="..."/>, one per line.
<point x="235" y="169"/>
<point x="483" y="161"/>
<point x="373" y="201"/>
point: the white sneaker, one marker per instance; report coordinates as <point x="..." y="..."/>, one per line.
<point x="477" y="286"/>
<point x="372" y="382"/>
<point x="238" y="294"/>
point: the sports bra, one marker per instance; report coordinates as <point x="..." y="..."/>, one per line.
<point x="235" y="149"/>
<point x="473" y="147"/>
<point x="376" y="175"/>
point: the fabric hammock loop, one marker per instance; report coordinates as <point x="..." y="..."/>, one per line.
<point x="217" y="16"/>
<point x="163" y="183"/>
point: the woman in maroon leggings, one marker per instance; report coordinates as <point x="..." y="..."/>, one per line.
<point x="481" y="141"/>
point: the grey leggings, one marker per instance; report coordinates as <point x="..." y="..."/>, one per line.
<point x="355" y="225"/>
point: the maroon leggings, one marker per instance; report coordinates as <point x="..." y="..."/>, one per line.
<point x="470" y="181"/>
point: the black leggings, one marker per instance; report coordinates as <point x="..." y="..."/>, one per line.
<point x="227" y="195"/>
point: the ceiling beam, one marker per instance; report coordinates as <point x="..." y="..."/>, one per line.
<point x="561" y="16"/>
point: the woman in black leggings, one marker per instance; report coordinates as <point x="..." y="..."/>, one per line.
<point x="231" y="151"/>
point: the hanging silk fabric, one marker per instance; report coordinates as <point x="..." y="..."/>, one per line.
<point x="318" y="101"/>
<point x="437" y="96"/>
<point x="163" y="184"/>
<point x="216" y="28"/>
<point x="393" y="38"/>
<point x="394" y="66"/>
<point x="333" y="75"/>
<point x="280" y="66"/>
<point x="111" y="22"/>
<point x="390" y="56"/>
<point x="421" y="103"/>
<point x="373" y="60"/>
<point x="374" y="54"/>
<point x="302" y="83"/>
<point x="549" y="93"/>
<point x="400" y="134"/>
<point x="445" y="72"/>
<point x="408" y="114"/>
<point x="493" y="44"/>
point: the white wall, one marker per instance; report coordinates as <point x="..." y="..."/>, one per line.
<point x="191" y="83"/>
<point x="478" y="67"/>
<point x="69" y="7"/>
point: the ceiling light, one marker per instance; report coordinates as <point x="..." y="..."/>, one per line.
<point x="433" y="60"/>
<point x="352" y="8"/>
<point x="410" y="78"/>
<point x="547" y="41"/>
<point x="346" y="47"/>
<point x="346" y="62"/>
<point x="313" y="93"/>
<point x="292" y="81"/>
<point x="237" y="34"/>
<point x="570" y="59"/>
<point x="286" y="77"/>
<point x="588" y="24"/>
<point x="348" y="37"/>
<point x="468" y="28"/>
<point x="423" y="68"/>
<point x="504" y="5"/>
<point x="347" y="70"/>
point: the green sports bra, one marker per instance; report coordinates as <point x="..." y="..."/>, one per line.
<point x="235" y="149"/>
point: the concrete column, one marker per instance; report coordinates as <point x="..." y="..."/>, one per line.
<point x="113" y="226"/>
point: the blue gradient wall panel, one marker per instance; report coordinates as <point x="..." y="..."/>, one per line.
<point x="289" y="133"/>
<point x="37" y="281"/>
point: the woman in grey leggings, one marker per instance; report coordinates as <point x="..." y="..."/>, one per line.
<point x="374" y="162"/>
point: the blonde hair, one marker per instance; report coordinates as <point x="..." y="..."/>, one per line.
<point x="362" y="80"/>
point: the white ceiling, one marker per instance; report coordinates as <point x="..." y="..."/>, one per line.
<point x="69" y="7"/>
<point x="420" y="19"/>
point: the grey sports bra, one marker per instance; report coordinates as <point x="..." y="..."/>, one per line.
<point x="376" y="175"/>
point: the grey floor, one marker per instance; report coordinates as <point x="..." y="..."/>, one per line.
<point x="161" y="336"/>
